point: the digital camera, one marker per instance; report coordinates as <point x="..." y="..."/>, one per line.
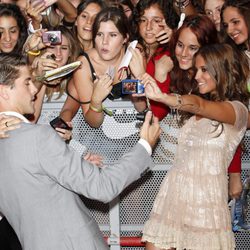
<point x="132" y="86"/>
<point x="52" y="37"/>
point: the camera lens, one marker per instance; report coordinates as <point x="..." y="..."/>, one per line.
<point x="52" y="38"/>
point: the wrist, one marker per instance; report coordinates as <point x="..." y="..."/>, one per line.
<point x="96" y="107"/>
<point x="175" y="101"/>
<point x="161" y="77"/>
<point x="32" y="28"/>
<point x="34" y="52"/>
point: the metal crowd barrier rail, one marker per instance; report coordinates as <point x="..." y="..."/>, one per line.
<point x="122" y="220"/>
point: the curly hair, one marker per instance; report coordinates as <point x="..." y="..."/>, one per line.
<point x="166" y="7"/>
<point x="11" y="10"/>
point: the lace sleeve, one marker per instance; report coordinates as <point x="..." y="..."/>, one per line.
<point x="241" y="115"/>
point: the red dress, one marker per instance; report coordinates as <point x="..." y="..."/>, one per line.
<point x="160" y="110"/>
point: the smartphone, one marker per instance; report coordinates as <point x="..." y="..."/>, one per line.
<point x="58" y="122"/>
<point x="132" y="86"/>
<point x="52" y="37"/>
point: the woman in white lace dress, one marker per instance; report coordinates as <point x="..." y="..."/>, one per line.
<point x="190" y="210"/>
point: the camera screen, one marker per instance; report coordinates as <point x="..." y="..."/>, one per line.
<point x="129" y="87"/>
<point x="132" y="86"/>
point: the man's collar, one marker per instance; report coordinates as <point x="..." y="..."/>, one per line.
<point x="12" y="113"/>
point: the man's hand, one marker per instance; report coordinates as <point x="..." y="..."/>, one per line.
<point x="8" y="123"/>
<point x="150" y="130"/>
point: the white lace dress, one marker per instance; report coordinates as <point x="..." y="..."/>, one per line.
<point x="190" y="210"/>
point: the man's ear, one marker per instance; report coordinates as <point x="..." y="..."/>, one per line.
<point x="4" y="92"/>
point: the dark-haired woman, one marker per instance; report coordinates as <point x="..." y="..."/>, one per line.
<point x="91" y="85"/>
<point x="86" y="14"/>
<point x="191" y="210"/>
<point x="196" y="32"/>
<point x="13" y="29"/>
<point x="236" y="23"/>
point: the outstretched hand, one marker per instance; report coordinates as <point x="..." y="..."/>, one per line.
<point x="152" y="91"/>
<point x="150" y="130"/>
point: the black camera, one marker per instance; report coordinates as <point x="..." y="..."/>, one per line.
<point x="52" y="37"/>
<point x="132" y="86"/>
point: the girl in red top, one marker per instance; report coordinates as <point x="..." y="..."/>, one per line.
<point x="153" y="21"/>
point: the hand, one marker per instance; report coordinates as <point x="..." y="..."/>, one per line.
<point x="66" y="134"/>
<point x="137" y="63"/>
<point x="43" y="63"/>
<point x="34" y="9"/>
<point x="8" y="123"/>
<point x="34" y="42"/>
<point x="162" y="67"/>
<point x="94" y="159"/>
<point x="152" y="91"/>
<point x="164" y="35"/>
<point x="150" y="131"/>
<point x="102" y="87"/>
<point x="235" y="185"/>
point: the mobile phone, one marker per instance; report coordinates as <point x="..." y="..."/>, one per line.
<point x="132" y="86"/>
<point x="52" y="37"/>
<point x="58" y="122"/>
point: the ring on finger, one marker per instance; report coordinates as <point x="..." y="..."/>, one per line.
<point x="6" y="124"/>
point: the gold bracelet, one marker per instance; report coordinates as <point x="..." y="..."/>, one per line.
<point x="34" y="53"/>
<point x="97" y="110"/>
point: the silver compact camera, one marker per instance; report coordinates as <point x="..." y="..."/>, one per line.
<point x="52" y="37"/>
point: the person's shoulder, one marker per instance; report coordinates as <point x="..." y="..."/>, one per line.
<point x="238" y="104"/>
<point x="38" y="128"/>
<point x="93" y="54"/>
<point x="31" y="131"/>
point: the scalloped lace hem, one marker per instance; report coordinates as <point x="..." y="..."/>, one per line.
<point x="166" y="237"/>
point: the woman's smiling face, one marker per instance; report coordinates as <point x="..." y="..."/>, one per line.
<point x="235" y="25"/>
<point x="186" y="47"/>
<point x="9" y="33"/>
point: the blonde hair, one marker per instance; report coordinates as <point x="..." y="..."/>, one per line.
<point x="74" y="53"/>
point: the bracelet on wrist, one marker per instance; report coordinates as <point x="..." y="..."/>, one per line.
<point x="34" y="53"/>
<point x="178" y="101"/>
<point x="97" y="110"/>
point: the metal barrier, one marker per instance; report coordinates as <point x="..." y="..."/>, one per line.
<point x="122" y="220"/>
